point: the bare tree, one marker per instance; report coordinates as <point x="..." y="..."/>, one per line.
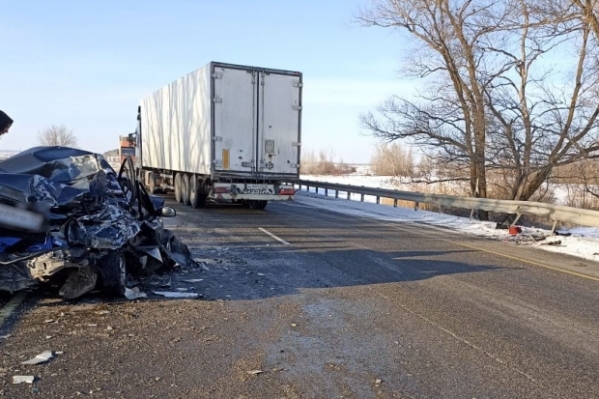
<point x="543" y="119"/>
<point x="496" y="105"/>
<point x="323" y="164"/>
<point x="57" y="135"/>
<point x="452" y="58"/>
<point x="392" y="160"/>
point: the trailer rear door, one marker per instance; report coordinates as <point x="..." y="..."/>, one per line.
<point x="279" y="123"/>
<point x="235" y="113"/>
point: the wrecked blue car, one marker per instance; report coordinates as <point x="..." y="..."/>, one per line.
<point x="66" y="216"/>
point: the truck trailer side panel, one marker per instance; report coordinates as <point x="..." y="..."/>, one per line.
<point x="176" y="125"/>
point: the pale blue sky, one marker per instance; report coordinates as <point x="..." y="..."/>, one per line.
<point x="86" y="63"/>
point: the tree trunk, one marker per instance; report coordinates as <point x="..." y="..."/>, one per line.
<point x="531" y="183"/>
<point x="482" y="191"/>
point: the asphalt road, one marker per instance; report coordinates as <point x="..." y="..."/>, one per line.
<point x="344" y="308"/>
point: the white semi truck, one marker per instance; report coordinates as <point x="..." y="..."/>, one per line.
<point x="225" y="132"/>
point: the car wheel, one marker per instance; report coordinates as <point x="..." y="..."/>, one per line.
<point x="113" y="273"/>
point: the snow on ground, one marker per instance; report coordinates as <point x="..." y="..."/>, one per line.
<point x="583" y="242"/>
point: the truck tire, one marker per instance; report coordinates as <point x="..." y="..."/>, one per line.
<point x="178" y="187"/>
<point x="185" y="185"/>
<point x="151" y="183"/>
<point x="257" y="204"/>
<point x="112" y="269"/>
<point x="193" y="191"/>
<point x="197" y="198"/>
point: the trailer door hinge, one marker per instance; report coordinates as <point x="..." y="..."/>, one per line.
<point x="297" y="107"/>
<point x="217" y="138"/>
<point x="296" y="144"/>
<point x="297" y="84"/>
<point x="295" y="165"/>
<point x="217" y="100"/>
<point x="218" y="164"/>
<point x="217" y="75"/>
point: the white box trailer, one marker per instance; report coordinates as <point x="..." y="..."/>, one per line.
<point x="226" y="132"/>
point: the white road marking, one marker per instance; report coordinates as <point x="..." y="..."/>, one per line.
<point x="273" y="236"/>
<point x="11" y="305"/>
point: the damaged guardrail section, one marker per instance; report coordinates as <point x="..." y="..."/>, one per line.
<point x="557" y="213"/>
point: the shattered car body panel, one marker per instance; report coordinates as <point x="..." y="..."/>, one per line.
<point x="98" y="225"/>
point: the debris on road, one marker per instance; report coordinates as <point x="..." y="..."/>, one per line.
<point x="170" y="294"/>
<point x="256" y="372"/>
<point x="41" y="358"/>
<point x="23" y="379"/>
<point x="193" y="280"/>
<point x="554" y="243"/>
<point x="514" y="230"/>
<point x="134" y="293"/>
<point x="102" y="312"/>
<point x="81" y="223"/>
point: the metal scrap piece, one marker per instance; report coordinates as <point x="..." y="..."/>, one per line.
<point x="41" y="358"/>
<point x="79" y="282"/>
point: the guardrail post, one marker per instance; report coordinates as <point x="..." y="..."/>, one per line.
<point x="516" y="220"/>
<point x="378" y="200"/>
<point x="416" y="205"/>
<point x="394" y="202"/>
<point x="316" y="189"/>
<point x="362" y="197"/>
<point x="553" y="228"/>
<point x="326" y="192"/>
<point x="336" y="193"/>
<point x="348" y="195"/>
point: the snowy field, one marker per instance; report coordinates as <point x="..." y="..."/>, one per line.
<point x="582" y="242"/>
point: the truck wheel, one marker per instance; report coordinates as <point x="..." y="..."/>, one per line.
<point x="112" y="269"/>
<point x="178" y="187"/>
<point x="197" y="198"/>
<point x="193" y="191"/>
<point x="151" y="184"/>
<point x="257" y="204"/>
<point x="185" y="184"/>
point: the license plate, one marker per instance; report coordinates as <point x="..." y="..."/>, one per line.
<point x="256" y="189"/>
<point x="20" y="218"/>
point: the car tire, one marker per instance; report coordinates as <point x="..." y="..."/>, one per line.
<point x="112" y="269"/>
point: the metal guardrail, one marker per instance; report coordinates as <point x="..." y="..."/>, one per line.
<point x="557" y="213"/>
